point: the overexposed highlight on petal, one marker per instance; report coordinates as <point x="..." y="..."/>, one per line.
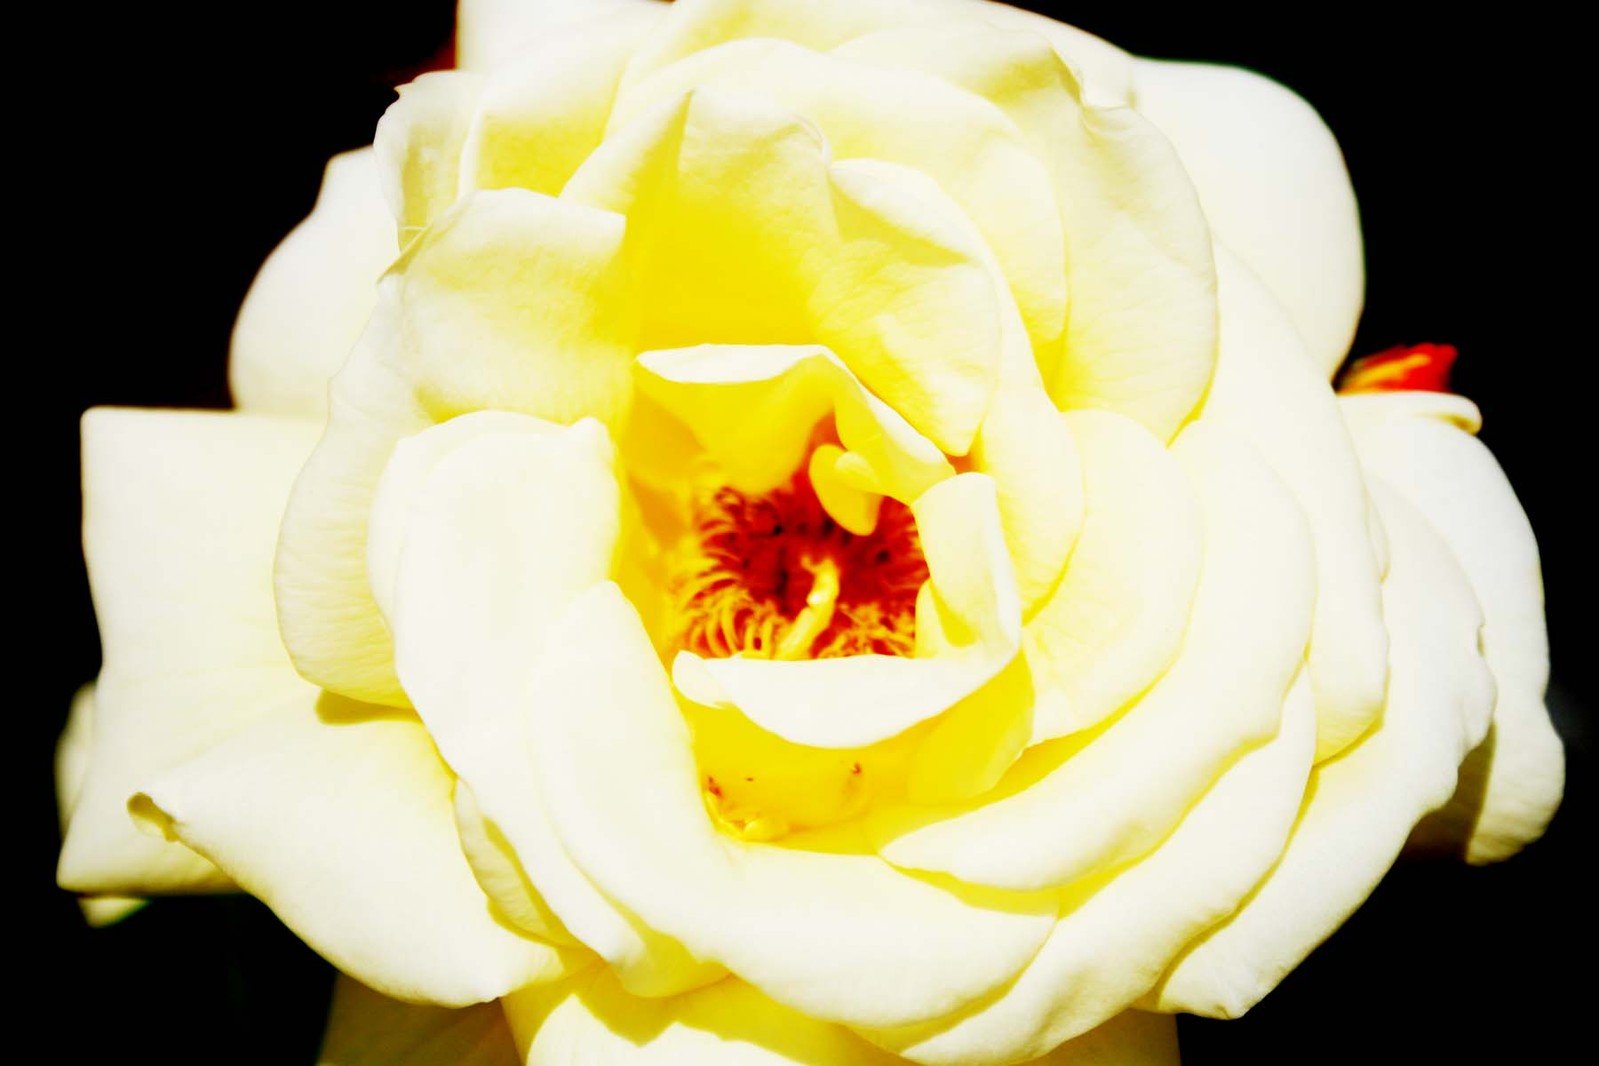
<point x="1274" y="187"/>
<point x="181" y="514"/>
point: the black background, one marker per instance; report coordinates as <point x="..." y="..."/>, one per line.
<point x="163" y="150"/>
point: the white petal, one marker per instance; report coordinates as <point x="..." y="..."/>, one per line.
<point x="1274" y="187"/>
<point x="72" y="767"/>
<point x="180" y="518"/>
<point x="309" y="303"/>
<point x="1511" y="785"/>
<point x="445" y="341"/>
<point x="491" y="32"/>
<point x="338" y="816"/>
<point x="1264" y="390"/>
<point x="1360" y="806"/>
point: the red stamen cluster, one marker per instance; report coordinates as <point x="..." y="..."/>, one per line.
<point x="743" y="575"/>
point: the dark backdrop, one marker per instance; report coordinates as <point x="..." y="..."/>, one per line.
<point x="164" y="149"/>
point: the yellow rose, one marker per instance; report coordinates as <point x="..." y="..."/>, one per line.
<point x="830" y="540"/>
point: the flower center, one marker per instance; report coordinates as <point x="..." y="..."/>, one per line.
<point x="776" y="577"/>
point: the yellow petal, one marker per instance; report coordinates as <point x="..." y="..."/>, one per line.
<point x="1129" y="785"/>
<point x="1116" y="620"/>
<point x="1118" y="931"/>
<point x="180" y="516"/>
<point x="1512" y="783"/>
<point x="837" y="936"/>
<point x="1141" y="330"/>
<point x="1360" y="806"/>
<point x="857" y="700"/>
<point x="753" y="409"/>
<point x="961" y="141"/>
<point x="592" y="1019"/>
<point x="367" y="1028"/>
<point x="337" y="815"/>
<point x="539" y="118"/>
<point x="72" y="767"/>
<point x="1274" y="187"/>
<point x="1268" y="391"/>
<point x="744" y="233"/>
<point x="503" y="531"/>
<point x="313" y="295"/>
<point x="561" y="350"/>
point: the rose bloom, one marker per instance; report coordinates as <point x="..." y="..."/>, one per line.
<point x="829" y="540"/>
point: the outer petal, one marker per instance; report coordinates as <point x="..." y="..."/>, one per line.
<point x="180" y="515"/>
<point x="367" y="1028"/>
<point x="340" y="820"/>
<point x="504" y="529"/>
<point x="1274" y="187"/>
<point x="1511" y="785"/>
<point x="541" y="117"/>
<point x="72" y="766"/>
<point x="1360" y="806"/>
<point x="419" y="141"/>
<point x="1266" y="391"/>
<point x="1119" y="931"/>
<point x="1113" y="795"/>
<point x="837" y="936"/>
<point x="313" y="295"/>
<point x="829" y="24"/>
<point x="490" y="32"/>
